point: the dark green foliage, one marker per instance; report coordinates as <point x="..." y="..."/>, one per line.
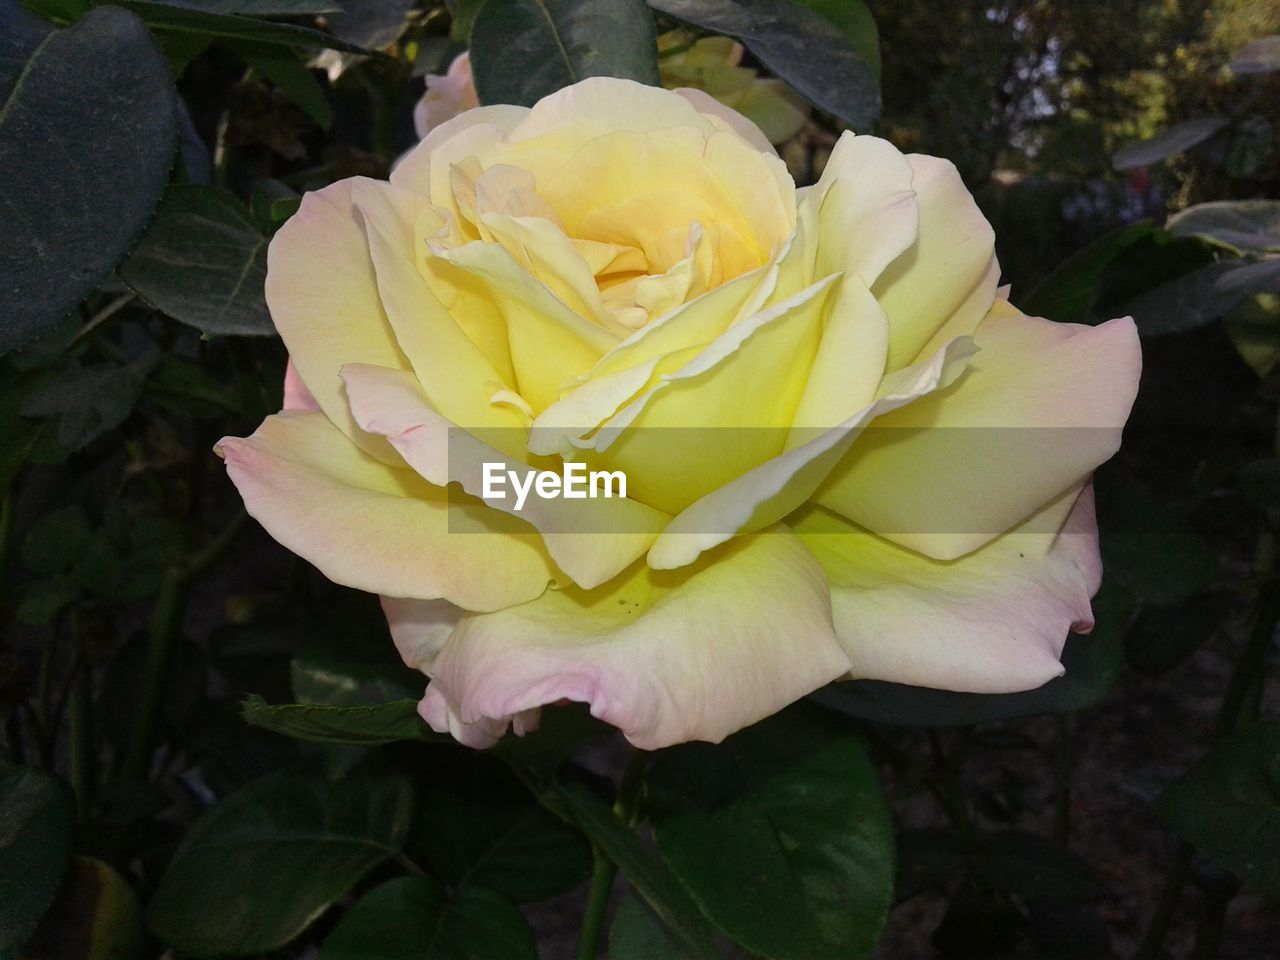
<point x="523" y="50"/>
<point x="92" y="110"/>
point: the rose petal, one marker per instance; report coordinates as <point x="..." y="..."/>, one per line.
<point x="767" y="493"/>
<point x="419" y="628"/>
<point x="324" y="301"/>
<point x="994" y="621"/>
<point x="296" y="394"/>
<point x="590" y="540"/>
<point x="1040" y="407"/>
<point x="744" y="389"/>
<point x="666" y="657"/>
<point x="452" y="370"/>
<point x="953" y="248"/>
<point x="374" y="527"/>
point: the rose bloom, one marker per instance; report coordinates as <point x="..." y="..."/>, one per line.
<point x="446" y="96"/>
<point x="847" y="454"/>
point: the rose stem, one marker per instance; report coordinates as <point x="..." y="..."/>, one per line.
<point x="626" y="808"/>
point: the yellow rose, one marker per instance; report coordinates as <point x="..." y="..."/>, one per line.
<point x="628" y="277"/>
<point x="714" y="65"/>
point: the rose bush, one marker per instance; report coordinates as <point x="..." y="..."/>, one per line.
<point x="848" y="455"/>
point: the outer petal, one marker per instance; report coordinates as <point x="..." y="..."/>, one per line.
<point x="710" y="107"/>
<point x="324" y="301"/>
<point x="992" y="622"/>
<point x="374" y="527"/>
<point x="666" y="657"/>
<point x="296" y="394"/>
<point x="924" y="286"/>
<point x="590" y="540"/>
<point x="765" y="494"/>
<point x="479" y="132"/>
<point x="1041" y="406"/>
<point x="419" y="628"/>
<point x="446" y="96"/>
<point x="868" y="207"/>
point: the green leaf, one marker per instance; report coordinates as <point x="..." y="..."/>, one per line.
<point x="88" y="402"/>
<point x="365" y="726"/>
<point x="1150" y="261"/>
<point x="88" y="129"/>
<point x="1093" y="663"/>
<point x="1013" y="862"/>
<point x="464" y="14"/>
<point x="782" y="837"/>
<point x="96" y="917"/>
<point x="1145" y="548"/>
<point x="290" y="76"/>
<point x="1244" y="225"/>
<point x="345" y="658"/>
<point x="413" y="918"/>
<point x="264" y="863"/>
<point x="1177" y="139"/>
<point x="1254" y="330"/>
<point x="636" y="933"/>
<point x="18" y="435"/>
<point x="1260" y="56"/>
<point x="802" y="47"/>
<point x="371" y="24"/>
<point x="264" y="8"/>
<point x="1228" y="805"/>
<point x="188" y="389"/>
<point x="1164" y="637"/>
<point x="1067" y="294"/>
<point x="1203" y="296"/>
<point x="857" y="23"/>
<point x="523" y="50"/>
<point x="640" y="864"/>
<point x="562" y="730"/>
<point x="203" y="261"/>
<point x="178" y="19"/>
<point x="498" y="837"/>
<point x="37" y="817"/>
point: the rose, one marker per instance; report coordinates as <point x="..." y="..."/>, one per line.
<point x="446" y="96"/>
<point x="847" y="453"/>
<point x="714" y="65"/>
<point x="710" y="64"/>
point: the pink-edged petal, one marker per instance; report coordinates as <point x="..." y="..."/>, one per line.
<point x="665" y="656"/>
<point x="709" y="106"/>
<point x="1040" y="407"/>
<point x="591" y="540"/>
<point x="994" y="621"/>
<point x="324" y="301"/>
<point x="447" y="96"/>
<point x="419" y="628"/>
<point x="480" y="735"/>
<point x="296" y="394"/>
<point x="379" y="528"/>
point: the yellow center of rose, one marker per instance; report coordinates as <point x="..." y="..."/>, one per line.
<point x="623" y="227"/>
